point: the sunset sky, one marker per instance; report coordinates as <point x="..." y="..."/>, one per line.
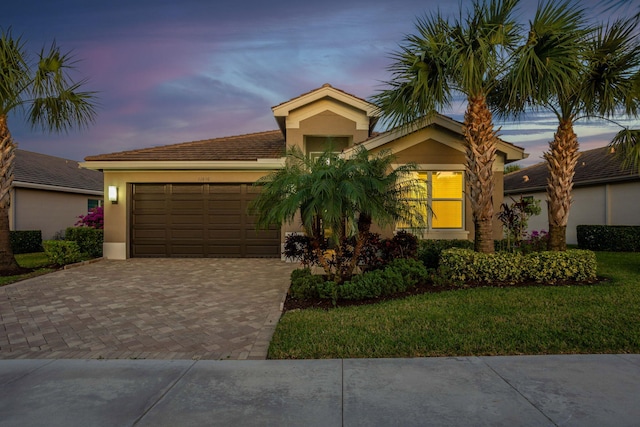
<point x="169" y="71"/>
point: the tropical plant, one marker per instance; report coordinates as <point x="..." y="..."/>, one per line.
<point x="466" y="56"/>
<point x="50" y="99"/>
<point x="515" y="216"/>
<point x="576" y="70"/>
<point x="341" y="195"/>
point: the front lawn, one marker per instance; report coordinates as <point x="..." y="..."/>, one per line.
<point x="601" y="318"/>
<point x="37" y="262"/>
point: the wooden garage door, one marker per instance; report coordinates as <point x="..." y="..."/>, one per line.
<point x="197" y="220"/>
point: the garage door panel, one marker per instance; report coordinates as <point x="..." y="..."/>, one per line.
<point x="205" y="220"/>
<point x="148" y="219"/>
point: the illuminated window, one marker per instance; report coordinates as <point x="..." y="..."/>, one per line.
<point x="446" y="198"/>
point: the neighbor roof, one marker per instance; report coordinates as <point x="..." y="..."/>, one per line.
<point x="262" y="145"/>
<point x="595" y="166"/>
<point x="40" y="169"/>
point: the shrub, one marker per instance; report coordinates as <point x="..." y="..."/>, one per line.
<point x="93" y="219"/>
<point x="62" y="252"/>
<point x="25" y="241"/>
<point x="89" y="240"/>
<point x="429" y="250"/>
<point x="467" y="265"/>
<point x="614" y="238"/>
<point x="304" y="285"/>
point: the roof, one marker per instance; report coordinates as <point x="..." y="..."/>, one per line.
<point x="40" y="169"/>
<point x="254" y="146"/>
<point x="512" y="152"/>
<point x="595" y="166"/>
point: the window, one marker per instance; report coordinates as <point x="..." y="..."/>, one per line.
<point x="445" y="196"/>
<point x="316" y="145"/>
<point x="93" y="203"/>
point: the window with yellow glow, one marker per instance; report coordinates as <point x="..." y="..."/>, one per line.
<point x="446" y="198"/>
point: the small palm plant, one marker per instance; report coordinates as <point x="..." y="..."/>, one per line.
<point x="341" y="196"/>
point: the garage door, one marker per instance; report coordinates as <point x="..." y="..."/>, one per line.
<point x="197" y="220"/>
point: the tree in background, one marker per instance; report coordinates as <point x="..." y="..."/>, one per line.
<point x="467" y="56"/>
<point x="575" y="70"/>
<point x="50" y="99"/>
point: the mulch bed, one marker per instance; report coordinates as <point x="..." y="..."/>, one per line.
<point x="422" y="288"/>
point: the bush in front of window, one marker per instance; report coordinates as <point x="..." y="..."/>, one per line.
<point x="89" y="240"/>
<point x="25" y="241"/>
<point x="429" y="250"/>
<point x="462" y="265"/>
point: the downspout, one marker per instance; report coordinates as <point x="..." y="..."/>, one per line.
<point x="607" y="204"/>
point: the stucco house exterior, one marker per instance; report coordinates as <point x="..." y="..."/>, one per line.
<point x="604" y="193"/>
<point x="49" y="193"/>
<point x="190" y="199"/>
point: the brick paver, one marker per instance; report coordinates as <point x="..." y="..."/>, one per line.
<point x="146" y="308"/>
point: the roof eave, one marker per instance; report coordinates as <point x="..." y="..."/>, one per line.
<point x="259" y="164"/>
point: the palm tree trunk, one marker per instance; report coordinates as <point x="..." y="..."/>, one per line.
<point x="480" y="155"/>
<point x="8" y="262"/>
<point x="562" y="159"/>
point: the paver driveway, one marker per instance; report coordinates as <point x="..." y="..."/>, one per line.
<point x="146" y="308"/>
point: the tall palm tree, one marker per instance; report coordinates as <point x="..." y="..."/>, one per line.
<point x="466" y="56"/>
<point x="575" y="70"/>
<point x="340" y="194"/>
<point x="51" y="100"/>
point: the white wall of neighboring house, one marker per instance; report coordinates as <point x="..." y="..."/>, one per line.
<point x="48" y="211"/>
<point x="605" y="204"/>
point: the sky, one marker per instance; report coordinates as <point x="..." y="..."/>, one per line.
<point x="167" y="72"/>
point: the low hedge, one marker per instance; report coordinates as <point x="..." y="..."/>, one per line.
<point x="613" y="238"/>
<point x="25" y="241"/>
<point x="62" y="252"/>
<point x="460" y="265"/>
<point x="398" y="276"/>
<point x="429" y="250"/>
<point x="89" y="240"/>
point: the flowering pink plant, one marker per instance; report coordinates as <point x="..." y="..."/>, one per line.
<point x="94" y="219"/>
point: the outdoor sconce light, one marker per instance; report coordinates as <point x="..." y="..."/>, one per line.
<point x="113" y="194"/>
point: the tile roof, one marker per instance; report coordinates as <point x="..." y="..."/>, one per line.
<point x="595" y="166"/>
<point x="36" y="168"/>
<point x="261" y="145"/>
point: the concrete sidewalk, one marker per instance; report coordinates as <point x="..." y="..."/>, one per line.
<point x="567" y="390"/>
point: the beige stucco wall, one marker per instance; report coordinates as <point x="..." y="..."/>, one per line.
<point x="606" y="204"/>
<point x="48" y="211"/>
<point x="326" y="123"/>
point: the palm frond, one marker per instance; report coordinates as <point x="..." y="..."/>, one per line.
<point x="626" y="144"/>
<point x="613" y="63"/>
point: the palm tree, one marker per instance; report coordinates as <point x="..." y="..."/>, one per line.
<point x="340" y="194"/>
<point x="468" y="57"/>
<point x="575" y="71"/>
<point x="51" y="101"/>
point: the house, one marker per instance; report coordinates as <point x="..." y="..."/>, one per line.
<point x="604" y="193"/>
<point x="49" y="193"/>
<point x="190" y="199"/>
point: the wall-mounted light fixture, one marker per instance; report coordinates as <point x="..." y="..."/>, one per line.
<point x="113" y="194"/>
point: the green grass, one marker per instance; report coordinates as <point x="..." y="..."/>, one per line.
<point x="38" y="261"/>
<point x="601" y="318"/>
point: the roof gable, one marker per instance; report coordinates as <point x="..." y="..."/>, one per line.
<point x="326" y="97"/>
<point x="595" y="166"/>
<point x="441" y="128"/>
<point x="40" y="169"/>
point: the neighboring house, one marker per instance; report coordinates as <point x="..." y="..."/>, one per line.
<point x="604" y="193"/>
<point x="190" y="199"/>
<point x="49" y="193"/>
